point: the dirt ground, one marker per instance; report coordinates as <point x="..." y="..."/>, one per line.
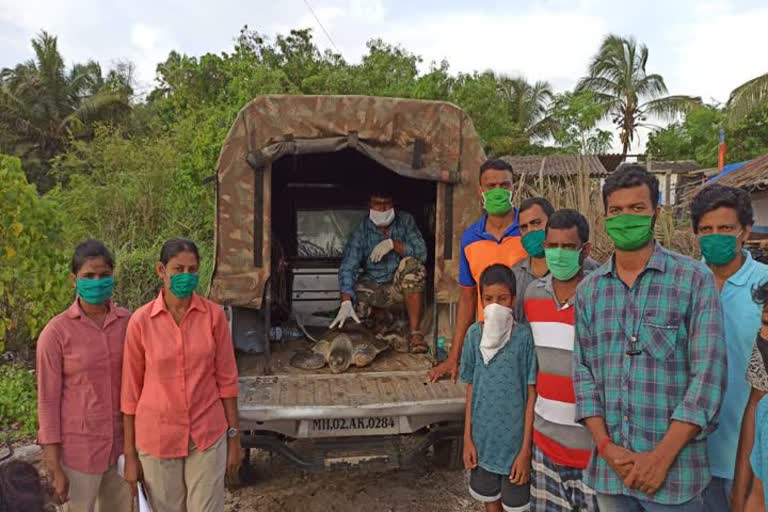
<point x="280" y="487"/>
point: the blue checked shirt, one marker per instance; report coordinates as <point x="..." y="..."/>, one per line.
<point x="362" y="241"/>
<point x="673" y="311"/>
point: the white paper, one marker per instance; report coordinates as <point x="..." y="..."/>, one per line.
<point x="143" y="502"/>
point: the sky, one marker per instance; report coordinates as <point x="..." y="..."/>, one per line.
<point x="701" y="48"/>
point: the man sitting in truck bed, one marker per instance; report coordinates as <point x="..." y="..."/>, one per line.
<point x="383" y="265"/>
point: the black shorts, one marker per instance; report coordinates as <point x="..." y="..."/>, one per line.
<point x="487" y="487"/>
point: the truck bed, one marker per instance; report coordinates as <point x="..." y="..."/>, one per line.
<point x="395" y="384"/>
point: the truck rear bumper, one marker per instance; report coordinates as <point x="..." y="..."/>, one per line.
<point x="352" y="404"/>
<point x="322" y="454"/>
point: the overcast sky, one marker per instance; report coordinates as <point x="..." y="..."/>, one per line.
<point x="703" y="48"/>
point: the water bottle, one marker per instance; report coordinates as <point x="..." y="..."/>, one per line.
<point x="279" y="333"/>
<point x="442" y="354"/>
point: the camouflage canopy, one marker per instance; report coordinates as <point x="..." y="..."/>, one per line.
<point x="424" y="140"/>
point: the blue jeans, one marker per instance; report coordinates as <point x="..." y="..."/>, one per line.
<point x="716" y="494"/>
<point x="619" y="503"/>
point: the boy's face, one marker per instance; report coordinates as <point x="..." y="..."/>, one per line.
<point x="497" y="294"/>
<point x="764" y="317"/>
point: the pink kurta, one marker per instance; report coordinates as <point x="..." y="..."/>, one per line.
<point x="79" y="372"/>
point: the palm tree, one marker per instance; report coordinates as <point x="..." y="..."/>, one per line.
<point x="42" y="104"/>
<point x="618" y="80"/>
<point x="746" y="98"/>
<point x="528" y="105"/>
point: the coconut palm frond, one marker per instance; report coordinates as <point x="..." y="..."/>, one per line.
<point x="670" y="107"/>
<point x="746" y="98"/>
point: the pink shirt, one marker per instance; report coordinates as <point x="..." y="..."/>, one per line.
<point x="174" y="377"/>
<point x="79" y="367"/>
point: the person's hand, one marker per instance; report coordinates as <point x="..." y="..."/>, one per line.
<point x="382" y="249"/>
<point x="234" y="457"/>
<point x="613" y="454"/>
<point x="470" y="454"/>
<point x="133" y="472"/>
<point x="648" y="472"/>
<point x="60" y="484"/>
<point x="521" y="468"/>
<point x="346" y="311"/>
<point x="448" y="367"/>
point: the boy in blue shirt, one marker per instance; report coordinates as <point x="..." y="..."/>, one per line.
<point x="498" y="365"/>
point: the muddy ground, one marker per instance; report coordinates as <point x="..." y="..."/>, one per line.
<point x="276" y="486"/>
<point x="279" y="487"/>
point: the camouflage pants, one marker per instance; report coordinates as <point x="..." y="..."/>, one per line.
<point x="410" y="277"/>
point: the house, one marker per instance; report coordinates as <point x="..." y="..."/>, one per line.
<point x="556" y="166"/>
<point x="676" y="177"/>
<point x="753" y="176"/>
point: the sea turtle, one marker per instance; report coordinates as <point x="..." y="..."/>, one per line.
<point x="339" y="349"/>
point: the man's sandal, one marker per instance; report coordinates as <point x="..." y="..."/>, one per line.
<point x="417" y="343"/>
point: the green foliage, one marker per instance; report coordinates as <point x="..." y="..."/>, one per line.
<point x="619" y="81"/>
<point x="576" y="116"/>
<point x="18" y="401"/>
<point x="133" y="193"/>
<point x="747" y="98"/>
<point x="33" y="273"/>
<point x="697" y="137"/>
<point x="42" y="104"/>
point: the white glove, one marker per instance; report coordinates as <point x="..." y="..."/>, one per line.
<point x="346" y="311"/>
<point x="382" y="249"/>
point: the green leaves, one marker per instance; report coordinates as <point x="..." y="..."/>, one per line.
<point x="575" y="116"/>
<point x="18" y="400"/>
<point x="619" y="81"/>
<point x="32" y="264"/>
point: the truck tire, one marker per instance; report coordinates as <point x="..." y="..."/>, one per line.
<point x="449" y="453"/>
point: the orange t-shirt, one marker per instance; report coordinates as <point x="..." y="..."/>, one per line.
<point x="174" y="377"/>
<point x="479" y="250"/>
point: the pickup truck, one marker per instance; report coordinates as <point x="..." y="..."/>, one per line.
<point x="293" y="179"/>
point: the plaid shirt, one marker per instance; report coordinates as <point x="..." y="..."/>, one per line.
<point x="362" y="241"/>
<point x="673" y="312"/>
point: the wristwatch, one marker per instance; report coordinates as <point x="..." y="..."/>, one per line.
<point x="232" y="432"/>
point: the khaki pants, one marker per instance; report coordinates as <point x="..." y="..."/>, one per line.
<point x="194" y="483"/>
<point x="106" y="492"/>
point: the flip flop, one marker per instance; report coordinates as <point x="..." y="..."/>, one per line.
<point x="417" y="343"/>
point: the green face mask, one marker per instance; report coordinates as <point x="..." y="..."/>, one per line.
<point x="182" y="285"/>
<point x="95" y="291"/>
<point x="630" y="232"/>
<point x="497" y="201"/>
<point x="718" y="249"/>
<point x="533" y="241"/>
<point x="563" y="263"/>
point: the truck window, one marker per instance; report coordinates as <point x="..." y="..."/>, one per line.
<point x="322" y="233"/>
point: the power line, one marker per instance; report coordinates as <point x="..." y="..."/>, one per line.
<point x="306" y="2"/>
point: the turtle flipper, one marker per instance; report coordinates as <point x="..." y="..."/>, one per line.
<point x="308" y="360"/>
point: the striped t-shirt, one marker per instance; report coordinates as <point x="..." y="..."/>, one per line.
<point x="555" y="432"/>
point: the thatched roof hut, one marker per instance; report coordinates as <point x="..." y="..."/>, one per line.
<point x="556" y="165"/>
<point x="752" y="176"/>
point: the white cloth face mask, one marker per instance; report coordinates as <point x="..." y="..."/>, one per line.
<point x="382" y="219"/>
<point x="497" y="328"/>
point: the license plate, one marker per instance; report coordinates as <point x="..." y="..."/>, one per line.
<point x="353" y="426"/>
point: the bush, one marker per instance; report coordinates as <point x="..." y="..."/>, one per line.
<point x="33" y="285"/>
<point x="18" y="401"/>
<point x="132" y="193"/>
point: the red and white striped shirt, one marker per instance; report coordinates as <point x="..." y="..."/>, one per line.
<point x="556" y="433"/>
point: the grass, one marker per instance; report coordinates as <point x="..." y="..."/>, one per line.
<point x="18" y="401"/>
